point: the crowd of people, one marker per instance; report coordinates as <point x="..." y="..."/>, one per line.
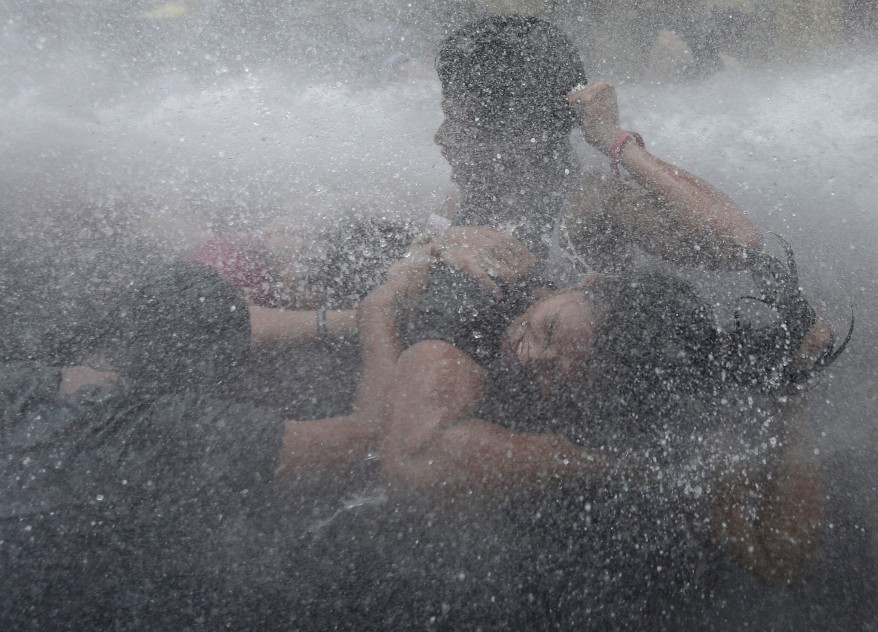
<point x="550" y="428"/>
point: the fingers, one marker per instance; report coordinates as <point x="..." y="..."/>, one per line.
<point x="485" y="254"/>
<point x="485" y="277"/>
<point x="584" y="94"/>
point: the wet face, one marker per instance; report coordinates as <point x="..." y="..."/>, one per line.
<point x="552" y="339"/>
<point x="499" y="166"/>
<point x="464" y="145"/>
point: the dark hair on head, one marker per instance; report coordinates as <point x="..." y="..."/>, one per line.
<point x="359" y="250"/>
<point x="182" y="327"/>
<point x="657" y="344"/>
<point x="512" y="73"/>
<point x="652" y="342"/>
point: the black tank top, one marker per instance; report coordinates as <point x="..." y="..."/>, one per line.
<point x="457" y="309"/>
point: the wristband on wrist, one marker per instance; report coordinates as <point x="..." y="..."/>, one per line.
<point x="436" y="225"/>
<point x="620" y="141"/>
<point x="321" y="322"/>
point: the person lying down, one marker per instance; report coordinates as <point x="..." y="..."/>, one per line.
<point x="520" y="399"/>
<point x="484" y="387"/>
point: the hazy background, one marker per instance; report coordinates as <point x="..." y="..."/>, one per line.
<point x="131" y="130"/>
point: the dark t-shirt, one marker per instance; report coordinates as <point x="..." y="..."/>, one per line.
<point x="455" y="308"/>
<point x="120" y="510"/>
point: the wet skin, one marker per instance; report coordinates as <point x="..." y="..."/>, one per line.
<point x="553" y="337"/>
<point x="459" y="139"/>
<point x="475" y="155"/>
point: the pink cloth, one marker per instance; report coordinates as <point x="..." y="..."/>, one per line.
<point x="242" y="259"/>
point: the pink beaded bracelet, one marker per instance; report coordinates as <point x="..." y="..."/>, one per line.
<point x="621" y="139"/>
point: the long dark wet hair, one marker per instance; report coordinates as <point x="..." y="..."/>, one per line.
<point x="657" y="343"/>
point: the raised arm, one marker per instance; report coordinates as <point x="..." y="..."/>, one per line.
<point x="486" y="254"/>
<point x="692" y="221"/>
<point x="325" y="446"/>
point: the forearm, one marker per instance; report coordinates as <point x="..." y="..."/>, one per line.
<point x="778" y="535"/>
<point x="76" y="377"/>
<point x="279" y="326"/>
<point x="325" y="447"/>
<point x="699" y="223"/>
<point x="434" y="445"/>
<point x="481" y="461"/>
<point x="707" y="219"/>
<point x="380" y="339"/>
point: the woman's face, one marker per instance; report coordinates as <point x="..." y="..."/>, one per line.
<point x="552" y="338"/>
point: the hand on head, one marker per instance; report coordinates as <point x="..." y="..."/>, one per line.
<point x="598" y="113"/>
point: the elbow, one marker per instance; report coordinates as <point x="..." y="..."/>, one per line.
<point x="425" y="475"/>
<point x="406" y="475"/>
<point x="742" y="232"/>
<point x="750" y="237"/>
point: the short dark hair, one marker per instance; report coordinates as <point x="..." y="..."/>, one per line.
<point x="512" y="73"/>
<point x="182" y="326"/>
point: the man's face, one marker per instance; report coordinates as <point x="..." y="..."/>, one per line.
<point x="464" y="144"/>
<point x="492" y="166"/>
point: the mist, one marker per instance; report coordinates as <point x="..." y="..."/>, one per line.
<point x="131" y="131"/>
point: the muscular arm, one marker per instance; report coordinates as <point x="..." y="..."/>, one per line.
<point x="698" y="223"/>
<point x="434" y="445"/>
<point x="325" y="447"/>
<point x="692" y="221"/>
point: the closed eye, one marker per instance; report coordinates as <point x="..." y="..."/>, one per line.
<point x="550" y="331"/>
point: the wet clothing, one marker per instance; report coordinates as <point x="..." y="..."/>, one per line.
<point x="456" y="309"/>
<point x="574" y="230"/>
<point x="611" y="554"/>
<point x="53" y="544"/>
<point x="118" y="511"/>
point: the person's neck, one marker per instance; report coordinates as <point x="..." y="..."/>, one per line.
<point x="524" y="194"/>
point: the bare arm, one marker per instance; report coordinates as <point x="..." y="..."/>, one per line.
<point x="322" y="447"/>
<point x="433" y="444"/>
<point x="777" y="535"/>
<point x="486" y="254"/>
<point x="289" y="326"/>
<point x="326" y="447"/>
<point x="693" y="221"/>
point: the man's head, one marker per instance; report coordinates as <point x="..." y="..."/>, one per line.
<point x="507" y="122"/>
<point x="184" y="326"/>
<point x="510" y="75"/>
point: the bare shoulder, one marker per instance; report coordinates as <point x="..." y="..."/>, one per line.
<point x="435" y="360"/>
<point x="434" y="384"/>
